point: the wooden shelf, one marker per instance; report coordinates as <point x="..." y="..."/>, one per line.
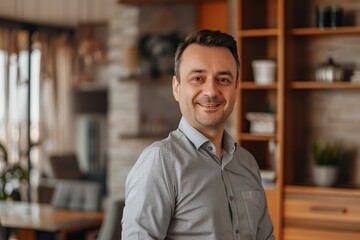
<point x="256" y="137"/>
<point x="325" y="31"/>
<point x="152" y="2"/>
<point x="321" y="85"/>
<point x="259" y="32"/>
<point x="322" y="190"/>
<point x="253" y="85"/>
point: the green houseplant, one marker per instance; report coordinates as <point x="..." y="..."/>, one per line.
<point x="326" y="157"/>
<point x="12" y="176"/>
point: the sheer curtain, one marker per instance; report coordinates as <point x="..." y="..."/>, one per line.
<point x="14" y="86"/>
<point x="14" y="93"/>
<point x="55" y="124"/>
<point x="51" y="126"/>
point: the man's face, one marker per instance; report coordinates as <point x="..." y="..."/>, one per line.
<point x="207" y="89"/>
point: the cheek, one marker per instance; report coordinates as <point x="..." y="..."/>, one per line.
<point x="231" y="100"/>
<point x="185" y="99"/>
<point x="185" y="94"/>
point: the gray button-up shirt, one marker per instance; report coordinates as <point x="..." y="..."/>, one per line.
<point x="179" y="189"/>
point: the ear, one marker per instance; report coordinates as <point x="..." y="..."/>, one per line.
<point x="175" y="87"/>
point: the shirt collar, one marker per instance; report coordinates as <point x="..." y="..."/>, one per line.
<point x="198" y="139"/>
<point x="192" y="134"/>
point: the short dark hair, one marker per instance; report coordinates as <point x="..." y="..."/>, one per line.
<point x="208" y="38"/>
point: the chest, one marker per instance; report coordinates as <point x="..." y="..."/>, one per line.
<point x="204" y="186"/>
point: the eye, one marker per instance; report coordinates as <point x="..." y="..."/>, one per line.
<point x="224" y="80"/>
<point x="197" y="79"/>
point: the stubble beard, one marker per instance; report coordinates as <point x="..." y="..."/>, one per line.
<point x="206" y="119"/>
<point x="208" y="123"/>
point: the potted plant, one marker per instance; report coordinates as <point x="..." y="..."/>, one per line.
<point x="327" y="157"/>
<point x="12" y="176"/>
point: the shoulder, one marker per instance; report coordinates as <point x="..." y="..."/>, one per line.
<point x="160" y="154"/>
<point x="171" y="147"/>
<point x="155" y="168"/>
<point x="244" y="155"/>
<point x="246" y="161"/>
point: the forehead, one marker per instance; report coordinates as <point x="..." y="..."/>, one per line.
<point x="204" y="57"/>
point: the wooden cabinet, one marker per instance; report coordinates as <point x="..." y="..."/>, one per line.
<point x="285" y="31"/>
<point x="311" y="213"/>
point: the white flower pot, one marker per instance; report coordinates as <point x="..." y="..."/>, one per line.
<point x="325" y="176"/>
<point x="264" y="71"/>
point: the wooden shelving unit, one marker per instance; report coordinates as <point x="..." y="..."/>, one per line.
<point x="320" y="111"/>
<point x="283" y="30"/>
<point x="261" y="36"/>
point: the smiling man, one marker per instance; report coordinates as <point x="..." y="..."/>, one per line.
<point x="198" y="183"/>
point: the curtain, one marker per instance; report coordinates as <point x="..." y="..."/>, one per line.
<point x="51" y="120"/>
<point x="14" y="86"/>
<point x="14" y="93"/>
<point x="56" y="78"/>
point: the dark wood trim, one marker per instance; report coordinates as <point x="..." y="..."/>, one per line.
<point x="11" y="23"/>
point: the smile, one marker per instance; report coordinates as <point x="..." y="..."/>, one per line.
<point x="209" y="104"/>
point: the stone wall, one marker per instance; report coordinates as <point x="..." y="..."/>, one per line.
<point x="130" y="99"/>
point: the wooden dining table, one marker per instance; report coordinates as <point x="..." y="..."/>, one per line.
<point x="30" y="218"/>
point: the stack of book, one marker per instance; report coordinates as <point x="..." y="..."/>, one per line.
<point x="261" y="122"/>
<point x="268" y="177"/>
<point x="356" y="76"/>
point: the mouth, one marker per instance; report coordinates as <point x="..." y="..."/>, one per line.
<point x="209" y="106"/>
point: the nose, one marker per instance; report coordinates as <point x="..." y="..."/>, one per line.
<point x="210" y="88"/>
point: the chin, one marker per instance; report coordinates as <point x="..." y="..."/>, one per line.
<point x="210" y="123"/>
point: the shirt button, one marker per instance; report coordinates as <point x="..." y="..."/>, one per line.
<point x="237" y="231"/>
<point x="210" y="148"/>
<point x="231" y="198"/>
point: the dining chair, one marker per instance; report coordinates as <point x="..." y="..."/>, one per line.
<point x="111" y="227"/>
<point x="65" y="166"/>
<point x="77" y="195"/>
<point x="3" y="233"/>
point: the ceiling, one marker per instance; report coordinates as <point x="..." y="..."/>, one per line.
<point x="57" y="12"/>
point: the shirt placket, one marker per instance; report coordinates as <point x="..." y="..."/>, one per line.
<point x="232" y="204"/>
<point x="229" y="190"/>
<point x="210" y="148"/>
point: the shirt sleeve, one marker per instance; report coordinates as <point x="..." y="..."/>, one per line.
<point x="149" y="197"/>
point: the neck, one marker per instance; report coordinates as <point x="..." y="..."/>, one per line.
<point x="215" y="136"/>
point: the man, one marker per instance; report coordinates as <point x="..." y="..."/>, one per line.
<point x="197" y="184"/>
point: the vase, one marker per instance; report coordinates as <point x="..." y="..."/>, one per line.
<point x="325" y="176"/>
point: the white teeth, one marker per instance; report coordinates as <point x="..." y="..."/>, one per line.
<point x="209" y="105"/>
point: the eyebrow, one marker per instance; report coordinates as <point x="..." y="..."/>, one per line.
<point x="226" y="73"/>
<point x="218" y="73"/>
